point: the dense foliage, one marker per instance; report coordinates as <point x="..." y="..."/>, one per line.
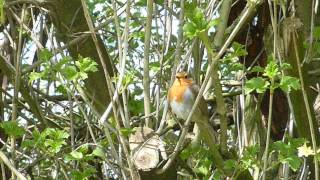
<point x="80" y="78"/>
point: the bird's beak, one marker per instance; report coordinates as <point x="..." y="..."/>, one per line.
<point x="179" y="80"/>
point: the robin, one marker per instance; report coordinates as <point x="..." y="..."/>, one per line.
<point x="182" y="96"/>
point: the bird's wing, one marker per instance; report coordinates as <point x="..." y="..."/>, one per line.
<point x="202" y="104"/>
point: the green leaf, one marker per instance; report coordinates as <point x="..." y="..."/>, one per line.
<point x="62" y="62"/>
<point x="230" y="164"/>
<point x="197" y="22"/>
<point x="45" y="55"/>
<point x="136" y="106"/>
<point x="239" y="49"/>
<point x="218" y="175"/>
<point x="257" y="69"/>
<point x="272" y="70"/>
<point x="70" y="73"/>
<point x="28" y="143"/>
<point x="293" y="161"/>
<point x="285" y="66"/>
<point x="82" y="75"/>
<point x="12" y="128"/>
<point x="213" y="22"/>
<point x="87" y="65"/>
<point x="34" y="76"/>
<point x="155" y="66"/>
<point x="282" y="147"/>
<point x="62" y="89"/>
<point x="52" y="140"/>
<point x="190" y="30"/>
<point x="249" y="158"/>
<point x="58" y="134"/>
<point x="256" y="84"/>
<point x="77" y="175"/>
<point x="296" y="142"/>
<point x="54" y="146"/>
<point x="185" y="154"/>
<point x="84" y="148"/>
<point x="189" y="8"/>
<point x="76" y="155"/>
<point x="203" y="170"/>
<point x="127" y="131"/>
<point x="98" y="152"/>
<point x="288" y="83"/>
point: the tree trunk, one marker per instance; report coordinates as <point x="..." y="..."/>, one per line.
<point x="69" y="20"/>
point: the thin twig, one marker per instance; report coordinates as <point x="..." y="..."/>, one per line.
<point x="307" y="105"/>
<point x="7" y="162"/>
<point x="146" y="78"/>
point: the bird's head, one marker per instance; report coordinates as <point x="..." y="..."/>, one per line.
<point x="182" y="77"/>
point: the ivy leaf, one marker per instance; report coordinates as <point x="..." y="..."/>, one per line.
<point x="12" y="128"/>
<point x="258" y="84"/>
<point x="288" y="83"/>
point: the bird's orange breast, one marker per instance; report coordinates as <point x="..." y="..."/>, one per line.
<point x="178" y="89"/>
<point x="176" y="93"/>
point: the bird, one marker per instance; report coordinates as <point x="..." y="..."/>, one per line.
<point x="182" y="95"/>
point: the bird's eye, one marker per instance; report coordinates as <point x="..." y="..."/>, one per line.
<point x="185" y="76"/>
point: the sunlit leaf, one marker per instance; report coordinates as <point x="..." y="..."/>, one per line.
<point x="289" y="83"/>
<point x="77" y="155"/>
<point x="12" y="128"/>
<point x="256" y="84"/>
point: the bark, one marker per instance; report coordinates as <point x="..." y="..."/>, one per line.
<point x="302" y="27"/>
